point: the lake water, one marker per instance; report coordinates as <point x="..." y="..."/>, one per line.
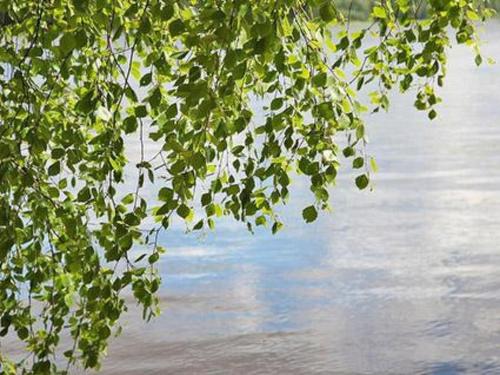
<point x="404" y="279"/>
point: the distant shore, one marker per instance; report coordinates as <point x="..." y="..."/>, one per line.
<point x="360" y="10"/>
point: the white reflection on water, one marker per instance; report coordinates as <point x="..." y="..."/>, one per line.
<point x="404" y="279"/>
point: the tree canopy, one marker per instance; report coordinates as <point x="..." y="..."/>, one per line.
<point x="239" y="95"/>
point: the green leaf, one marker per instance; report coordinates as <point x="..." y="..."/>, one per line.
<point x="277" y="226"/>
<point x="146" y="79"/>
<point x="473" y="15"/>
<point x="67" y="43"/>
<point x="326" y="111"/>
<point x="327" y="12"/>
<point x="141" y="111"/>
<point x="69" y="300"/>
<point x="84" y="195"/>
<point x="319" y="80"/>
<point x="54" y="169"/>
<point x="58" y="153"/>
<point x="171" y="111"/>
<point x="183" y="211"/>
<point x="126" y="242"/>
<point x="164" y="209"/>
<point x="379" y="12"/>
<point x="373" y="165"/>
<point x="276" y="104"/>
<point x="348" y="152"/>
<point x="176" y="27"/>
<point x="260" y="220"/>
<point x="362" y="182"/>
<point x="165" y="194"/>
<point x="128" y="199"/>
<point x="310" y="214"/>
<point x="153" y="258"/>
<point x="130" y="124"/>
<point x="167" y="12"/>
<point x="358" y="162"/>
<point x="104" y="332"/>
<point x="23" y="333"/>
<point x="478" y="60"/>
<point x="198" y="161"/>
<point x="264" y="29"/>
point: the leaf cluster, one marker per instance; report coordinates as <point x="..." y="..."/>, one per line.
<point x="238" y="96"/>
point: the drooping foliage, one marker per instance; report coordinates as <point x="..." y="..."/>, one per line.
<point x="238" y="95"/>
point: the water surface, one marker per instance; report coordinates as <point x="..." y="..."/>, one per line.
<point x="403" y="279"/>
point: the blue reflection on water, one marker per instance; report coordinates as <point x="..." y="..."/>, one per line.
<point x="404" y="279"/>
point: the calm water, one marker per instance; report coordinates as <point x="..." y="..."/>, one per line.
<point x="402" y="280"/>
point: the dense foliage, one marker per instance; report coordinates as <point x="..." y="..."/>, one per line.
<point x="78" y="77"/>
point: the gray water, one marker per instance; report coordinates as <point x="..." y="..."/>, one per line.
<point x="404" y="279"/>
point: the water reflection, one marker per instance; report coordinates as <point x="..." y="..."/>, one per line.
<point x="404" y="279"/>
